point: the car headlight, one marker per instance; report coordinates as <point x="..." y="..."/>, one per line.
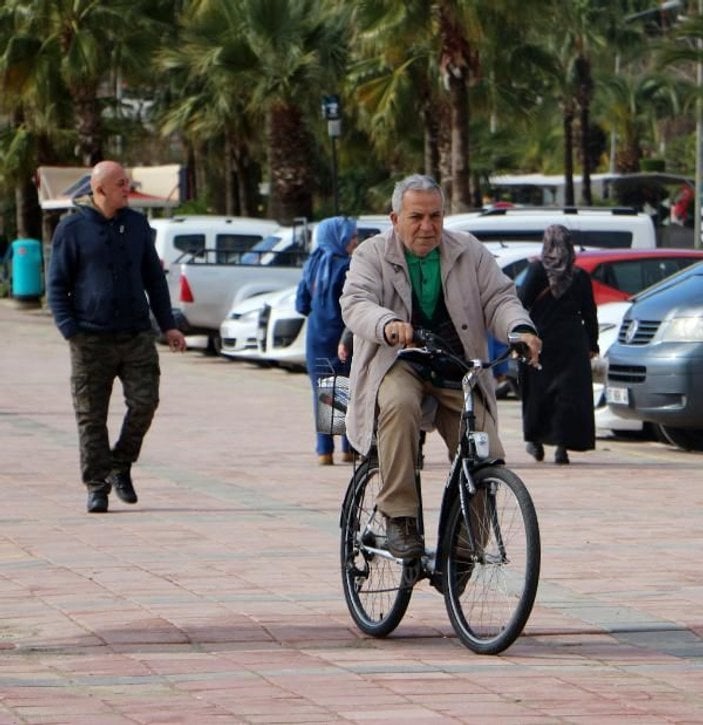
<point x="681" y="327"/>
<point x="251" y="316"/>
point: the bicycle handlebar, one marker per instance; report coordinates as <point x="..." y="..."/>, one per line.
<point x="435" y="345"/>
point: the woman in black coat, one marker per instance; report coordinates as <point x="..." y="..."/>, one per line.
<point x="557" y="401"/>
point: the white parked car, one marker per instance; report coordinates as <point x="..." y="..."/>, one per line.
<point x="282" y="329"/>
<point x="238" y="329"/>
<point x="610" y="315"/>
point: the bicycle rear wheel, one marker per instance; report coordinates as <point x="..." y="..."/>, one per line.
<point x="376" y="588"/>
<point x="490" y="585"/>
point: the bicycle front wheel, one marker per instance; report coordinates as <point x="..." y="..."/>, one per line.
<point x="491" y="570"/>
<point x="376" y="587"/>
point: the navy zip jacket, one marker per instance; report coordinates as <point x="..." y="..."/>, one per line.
<point x="104" y="274"/>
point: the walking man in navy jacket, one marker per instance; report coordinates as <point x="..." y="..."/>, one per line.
<point x="104" y="276"/>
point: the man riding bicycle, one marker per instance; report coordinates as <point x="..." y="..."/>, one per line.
<point x="419" y="275"/>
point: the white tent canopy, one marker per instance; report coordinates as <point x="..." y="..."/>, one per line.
<point x="152" y="186"/>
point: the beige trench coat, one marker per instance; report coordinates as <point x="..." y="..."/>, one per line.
<point x="478" y="296"/>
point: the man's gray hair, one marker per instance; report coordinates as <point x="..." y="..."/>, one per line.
<point x="414" y="182"/>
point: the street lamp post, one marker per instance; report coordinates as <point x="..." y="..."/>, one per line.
<point x="332" y="112"/>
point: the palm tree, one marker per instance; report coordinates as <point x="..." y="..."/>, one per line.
<point x="205" y="104"/>
<point x="266" y="64"/>
<point x="393" y="80"/>
<point x="427" y="59"/>
<point x="87" y="42"/>
<point x="33" y="101"/>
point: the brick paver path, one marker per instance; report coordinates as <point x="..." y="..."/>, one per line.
<point x="217" y="598"/>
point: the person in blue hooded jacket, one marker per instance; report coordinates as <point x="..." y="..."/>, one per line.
<point x="318" y="299"/>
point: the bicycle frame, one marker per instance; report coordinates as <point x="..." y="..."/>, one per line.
<point x="467" y="460"/>
<point x="471" y="455"/>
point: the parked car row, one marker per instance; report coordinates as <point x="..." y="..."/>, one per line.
<point x="267" y="328"/>
<point x="640" y="383"/>
<point x="276" y="332"/>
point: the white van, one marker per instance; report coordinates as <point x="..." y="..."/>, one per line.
<point x="616" y="227"/>
<point x="209" y="238"/>
<point x="291" y="245"/>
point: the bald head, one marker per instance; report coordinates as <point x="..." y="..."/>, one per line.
<point x="110" y="186"/>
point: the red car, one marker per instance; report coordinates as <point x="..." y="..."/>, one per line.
<point x="619" y="273"/>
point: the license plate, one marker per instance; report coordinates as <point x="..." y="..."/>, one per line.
<point x="619" y="396"/>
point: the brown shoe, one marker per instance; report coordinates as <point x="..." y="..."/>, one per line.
<point x="325" y="459"/>
<point x="402" y="538"/>
<point x="347" y="457"/>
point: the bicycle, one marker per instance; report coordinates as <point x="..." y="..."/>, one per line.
<point x="487" y="559"/>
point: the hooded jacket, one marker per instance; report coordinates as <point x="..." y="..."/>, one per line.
<point x="319" y="290"/>
<point x="104" y="274"/>
<point x="478" y="296"/>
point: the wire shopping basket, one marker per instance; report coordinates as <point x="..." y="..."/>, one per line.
<point x="332" y="402"/>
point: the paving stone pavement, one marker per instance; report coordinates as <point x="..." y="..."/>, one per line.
<point x="217" y="598"/>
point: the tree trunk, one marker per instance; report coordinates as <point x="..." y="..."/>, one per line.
<point x="29" y="214"/>
<point x="568" y="123"/>
<point x="444" y="147"/>
<point x="290" y="164"/>
<point x="431" y="144"/>
<point x="228" y="171"/>
<point x="89" y="124"/>
<point x="247" y="181"/>
<point x="585" y="91"/>
<point x="191" y="190"/>
<point x="461" y="196"/>
<point x="627" y="159"/>
<point x="586" y="194"/>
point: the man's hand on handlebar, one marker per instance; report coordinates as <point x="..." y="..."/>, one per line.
<point x="398" y="333"/>
<point x="528" y="346"/>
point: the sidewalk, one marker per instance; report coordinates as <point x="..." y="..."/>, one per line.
<point x="217" y="598"/>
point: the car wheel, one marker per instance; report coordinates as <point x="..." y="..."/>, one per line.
<point x="214" y="344"/>
<point x="688" y="439"/>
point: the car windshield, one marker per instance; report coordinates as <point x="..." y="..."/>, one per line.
<point x="694" y="269"/>
<point x="253" y="256"/>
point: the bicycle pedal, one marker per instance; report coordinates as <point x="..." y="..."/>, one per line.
<point x="412" y="571"/>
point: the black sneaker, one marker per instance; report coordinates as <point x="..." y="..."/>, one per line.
<point x="97" y="500"/>
<point x="402" y="538"/>
<point x="122" y="483"/>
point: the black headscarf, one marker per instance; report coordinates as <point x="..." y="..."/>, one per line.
<point x="558" y="258"/>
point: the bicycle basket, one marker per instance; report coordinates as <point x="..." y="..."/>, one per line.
<point x="332" y="401"/>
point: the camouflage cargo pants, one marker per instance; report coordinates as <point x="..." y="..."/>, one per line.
<point x="96" y="360"/>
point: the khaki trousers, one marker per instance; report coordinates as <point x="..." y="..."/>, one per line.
<point x="399" y="404"/>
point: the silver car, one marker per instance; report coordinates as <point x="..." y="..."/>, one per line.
<point x="655" y="369"/>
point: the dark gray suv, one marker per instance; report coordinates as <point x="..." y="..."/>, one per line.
<point x="655" y="369"/>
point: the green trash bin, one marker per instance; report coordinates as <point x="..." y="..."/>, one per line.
<point x="27" y="266"/>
